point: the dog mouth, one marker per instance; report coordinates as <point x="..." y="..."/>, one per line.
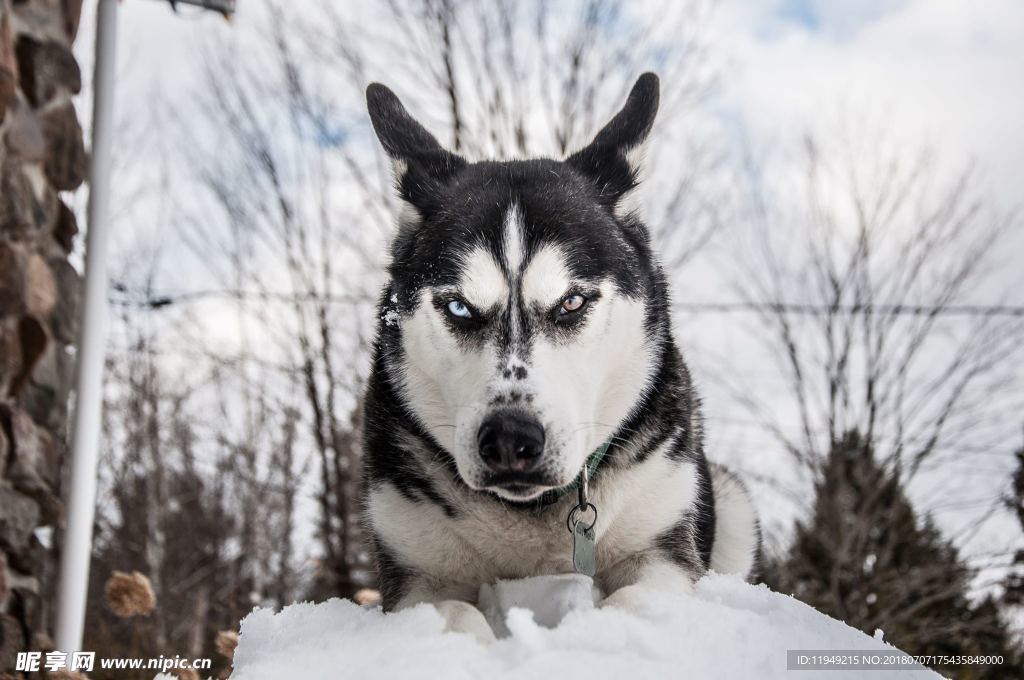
<point x="520" y="492"/>
<point x="518" y="486"/>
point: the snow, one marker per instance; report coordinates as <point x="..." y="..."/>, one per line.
<point x="548" y="598"/>
<point x="727" y="629"/>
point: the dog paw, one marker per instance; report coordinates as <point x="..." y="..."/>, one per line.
<point x="637" y="598"/>
<point x="629" y="598"/>
<point x="462" y="617"/>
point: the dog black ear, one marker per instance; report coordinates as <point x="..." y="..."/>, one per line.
<point x="421" y="165"/>
<point x="613" y="158"/>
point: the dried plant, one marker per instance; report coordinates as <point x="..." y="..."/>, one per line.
<point x="226" y="642"/>
<point x="129" y="595"/>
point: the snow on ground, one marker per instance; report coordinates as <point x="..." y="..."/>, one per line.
<point x="728" y="629"/>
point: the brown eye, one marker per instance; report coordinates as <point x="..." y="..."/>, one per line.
<point x="573" y="303"/>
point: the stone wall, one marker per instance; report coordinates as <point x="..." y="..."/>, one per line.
<point x="41" y="155"/>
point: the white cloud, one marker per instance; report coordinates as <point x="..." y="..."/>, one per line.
<point x="945" y="72"/>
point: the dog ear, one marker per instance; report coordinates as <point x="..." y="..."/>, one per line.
<point x="420" y="164"/>
<point x="614" y="157"/>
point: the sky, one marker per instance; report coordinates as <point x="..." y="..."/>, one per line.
<point x="946" y="73"/>
<point x="943" y="71"/>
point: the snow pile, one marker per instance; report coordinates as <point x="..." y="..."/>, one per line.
<point x="728" y="629"/>
<point x="549" y="599"/>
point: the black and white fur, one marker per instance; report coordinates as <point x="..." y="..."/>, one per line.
<point x="513" y="244"/>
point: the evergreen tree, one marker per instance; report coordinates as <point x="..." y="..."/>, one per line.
<point x="864" y="557"/>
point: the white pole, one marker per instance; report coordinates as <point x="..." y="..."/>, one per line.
<point x="85" y="439"/>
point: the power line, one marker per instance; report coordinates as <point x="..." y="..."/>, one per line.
<point x="225" y="7"/>
<point x="160" y="301"/>
<point x="806" y="309"/>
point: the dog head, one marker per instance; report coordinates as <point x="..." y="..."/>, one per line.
<point x="521" y="325"/>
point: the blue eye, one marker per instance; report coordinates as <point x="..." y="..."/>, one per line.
<point x="458" y="308"/>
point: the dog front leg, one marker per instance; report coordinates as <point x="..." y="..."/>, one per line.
<point x="635" y="581"/>
<point x="454" y="605"/>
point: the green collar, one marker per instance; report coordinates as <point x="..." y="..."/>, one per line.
<point x="593" y="462"/>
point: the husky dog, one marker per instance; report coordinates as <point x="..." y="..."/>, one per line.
<point x="525" y="329"/>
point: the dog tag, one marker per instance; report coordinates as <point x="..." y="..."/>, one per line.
<point x="583" y="543"/>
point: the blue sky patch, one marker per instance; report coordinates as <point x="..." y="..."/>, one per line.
<point x="801" y="12"/>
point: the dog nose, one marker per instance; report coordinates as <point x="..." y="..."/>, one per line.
<point x="510" y="442"/>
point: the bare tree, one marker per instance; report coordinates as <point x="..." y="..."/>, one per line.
<point x="517" y="79"/>
<point x="873" y="302"/>
<point x="872" y="279"/>
<point x="205" y="511"/>
<point x="291" y="216"/>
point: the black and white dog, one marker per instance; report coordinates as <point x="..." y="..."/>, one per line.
<point x="525" y="325"/>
